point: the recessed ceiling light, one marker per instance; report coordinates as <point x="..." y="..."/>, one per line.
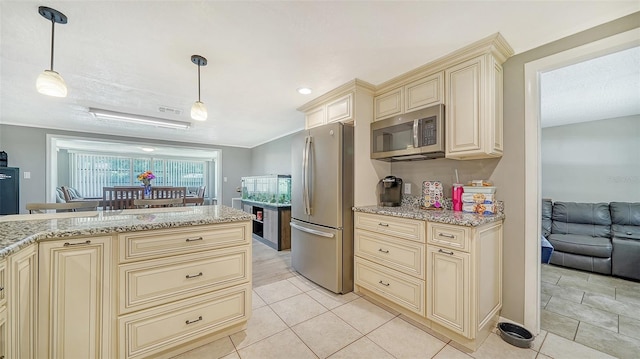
<point x="304" y="90"/>
<point x="147" y="149"/>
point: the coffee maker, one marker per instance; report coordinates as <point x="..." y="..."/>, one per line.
<point x="390" y="191"/>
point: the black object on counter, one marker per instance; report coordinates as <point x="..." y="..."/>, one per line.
<point x="390" y="191"/>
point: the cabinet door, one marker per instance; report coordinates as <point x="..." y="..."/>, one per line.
<point x="474" y="109"/>
<point x="21" y="301"/>
<point x="463" y="107"/>
<point x="448" y="290"/>
<point x="271" y="227"/>
<point x="388" y="104"/>
<point x="315" y="117"/>
<point x="424" y="92"/>
<point x="340" y="109"/>
<point x="3" y="332"/>
<point x="74" y="298"/>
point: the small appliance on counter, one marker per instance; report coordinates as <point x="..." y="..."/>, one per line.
<point x="390" y="191"/>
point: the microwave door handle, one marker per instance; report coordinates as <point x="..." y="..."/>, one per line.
<point x="415" y="133"/>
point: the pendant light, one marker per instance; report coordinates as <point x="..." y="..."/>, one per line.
<point x="50" y="82"/>
<point x="198" y="110"/>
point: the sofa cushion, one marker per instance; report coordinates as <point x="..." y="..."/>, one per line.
<point x="625" y="219"/>
<point x="581" y="244"/>
<point x="547" y="207"/>
<point x="590" y="219"/>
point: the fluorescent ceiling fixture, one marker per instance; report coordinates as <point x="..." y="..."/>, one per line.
<point x="147" y="149"/>
<point x="145" y="120"/>
<point x="304" y="90"/>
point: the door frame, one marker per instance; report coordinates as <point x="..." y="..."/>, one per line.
<point x="533" y="182"/>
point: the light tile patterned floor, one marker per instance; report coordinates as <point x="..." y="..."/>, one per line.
<point x="601" y="312"/>
<point x="294" y="318"/>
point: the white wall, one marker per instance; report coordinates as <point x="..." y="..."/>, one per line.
<point x="596" y="161"/>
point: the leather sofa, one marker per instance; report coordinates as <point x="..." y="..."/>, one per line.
<point x="597" y="237"/>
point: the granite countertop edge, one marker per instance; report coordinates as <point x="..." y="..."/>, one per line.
<point x="14" y="236"/>
<point x="438" y="216"/>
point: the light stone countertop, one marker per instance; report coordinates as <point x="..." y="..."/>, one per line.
<point x="18" y="231"/>
<point x="439" y="216"/>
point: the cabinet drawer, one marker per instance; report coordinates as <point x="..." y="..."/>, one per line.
<point x="405" y="256"/>
<point x="411" y="229"/>
<point x="450" y="236"/>
<point x="169" y="242"/>
<point x="154" y="282"/>
<point x="397" y="287"/>
<point x="151" y="331"/>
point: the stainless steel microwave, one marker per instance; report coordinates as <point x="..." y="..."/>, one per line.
<point x="417" y="135"/>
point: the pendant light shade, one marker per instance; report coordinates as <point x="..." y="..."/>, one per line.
<point x="50" y="82"/>
<point x="199" y="110"/>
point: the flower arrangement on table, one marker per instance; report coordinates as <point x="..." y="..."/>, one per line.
<point x="146" y="177"/>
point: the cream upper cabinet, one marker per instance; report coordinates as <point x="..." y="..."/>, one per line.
<point x="340" y="109"/>
<point x="335" y="110"/>
<point x="464" y="279"/>
<point x="315" y="117"/>
<point x="74" y="298"/>
<point x="388" y="104"/>
<point x="474" y="109"/>
<point x="424" y="92"/>
<point x="22" y="310"/>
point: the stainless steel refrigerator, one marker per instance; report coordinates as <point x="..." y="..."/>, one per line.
<point x="9" y="190"/>
<point x="321" y="206"/>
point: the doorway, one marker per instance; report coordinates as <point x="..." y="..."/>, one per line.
<point x="533" y="71"/>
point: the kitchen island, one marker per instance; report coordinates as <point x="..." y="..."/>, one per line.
<point x="441" y="268"/>
<point x="130" y="284"/>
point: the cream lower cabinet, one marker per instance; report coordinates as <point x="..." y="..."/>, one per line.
<point x="182" y="287"/>
<point x="446" y="277"/>
<point x="389" y="259"/>
<point x="22" y="306"/>
<point x="75" y="298"/>
<point x="3" y="309"/>
<point x="464" y="280"/>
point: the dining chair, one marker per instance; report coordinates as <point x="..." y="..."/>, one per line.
<point x="157" y="203"/>
<point x="114" y="198"/>
<point x="62" y="207"/>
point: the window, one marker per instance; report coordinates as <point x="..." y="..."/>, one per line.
<point x="89" y="172"/>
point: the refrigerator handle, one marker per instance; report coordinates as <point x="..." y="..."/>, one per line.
<point x="306" y="194"/>
<point x="312" y="231"/>
<point x="416" y="127"/>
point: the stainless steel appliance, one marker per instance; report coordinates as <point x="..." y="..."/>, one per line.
<point x="417" y="135"/>
<point x="321" y="206"/>
<point x="390" y="191"/>
<point x="9" y="190"/>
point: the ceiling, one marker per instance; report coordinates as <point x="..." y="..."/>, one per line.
<point x="134" y="56"/>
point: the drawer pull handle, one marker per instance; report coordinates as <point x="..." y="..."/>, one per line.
<point x="383" y="224"/>
<point x="445" y="252"/>
<point x="194" y="239"/>
<point x="67" y="244"/>
<point x="194" y="321"/>
<point x="1" y="289"/>
<point x="384" y="284"/>
<point x="189" y="276"/>
<point x="446" y="235"/>
<point x="383" y="251"/>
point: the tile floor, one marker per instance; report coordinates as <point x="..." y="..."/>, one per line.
<point x="601" y="312"/>
<point x="295" y="319"/>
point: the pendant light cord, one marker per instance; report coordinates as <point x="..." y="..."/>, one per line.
<point x="53" y="27"/>
<point x="198" y="80"/>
